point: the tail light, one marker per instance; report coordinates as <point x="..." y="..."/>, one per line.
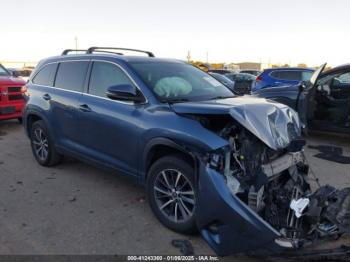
<point x="258" y="78"/>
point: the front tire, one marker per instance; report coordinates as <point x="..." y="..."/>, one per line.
<point x="172" y="194"/>
<point x="42" y="145"/>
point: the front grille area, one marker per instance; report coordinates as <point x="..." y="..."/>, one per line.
<point x="14" y="89"/>
<point x="15" y="97"/>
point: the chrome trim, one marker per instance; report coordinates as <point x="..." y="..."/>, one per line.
<point x="83" y="93"/>
<point x="56" y="62"/>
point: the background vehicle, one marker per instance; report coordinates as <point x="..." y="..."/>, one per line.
<point x="251" y="71"/>
<point x="281" y="76"/>
<point x="323" y="102"/>
<point x="243" y="82"/>
<point x="220" y="71"/>
<point x="228" y="166"/>
<point x="11" y="95"/>
<point x="20" y="72"/>
<point x="224" y="80"/>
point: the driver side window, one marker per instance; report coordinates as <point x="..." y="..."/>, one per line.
<point x="105" y="75"/>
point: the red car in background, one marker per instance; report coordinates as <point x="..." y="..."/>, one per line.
<point x="11" y="95"/>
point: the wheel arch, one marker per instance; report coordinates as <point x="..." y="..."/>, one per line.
<point x="31" y="117"/>
<point x="160" y="147"/>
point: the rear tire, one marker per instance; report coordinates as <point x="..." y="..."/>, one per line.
<point x="172" y="194"/>
<point x="42" y="144"/>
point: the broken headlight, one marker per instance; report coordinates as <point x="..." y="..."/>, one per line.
<point x="283" y="132"/>
<point x="220" y="160"/>
<point x="216" y="159"/>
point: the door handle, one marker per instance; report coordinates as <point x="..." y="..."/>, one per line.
<point x="85" y="108"/>
<point x="47" y="97"/>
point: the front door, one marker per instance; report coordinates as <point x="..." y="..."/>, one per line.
<point x="110" y="129"/>
<point x="306" y="98"/>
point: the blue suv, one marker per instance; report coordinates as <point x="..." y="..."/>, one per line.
<point x="282" y="76"/>
<point x="211" y="161"/>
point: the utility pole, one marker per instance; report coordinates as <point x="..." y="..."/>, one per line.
<point x="189" y="56"/>
<point x="76" y="44"/>
<point x="207" y="57"/>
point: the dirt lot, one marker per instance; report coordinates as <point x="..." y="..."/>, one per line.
<point x="77" y="209"/>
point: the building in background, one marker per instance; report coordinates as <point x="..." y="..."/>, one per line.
<point x="249" y="65"/>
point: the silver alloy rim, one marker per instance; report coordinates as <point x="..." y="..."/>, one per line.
<point x="40" y="144"/>
<point x="174" y="195"/>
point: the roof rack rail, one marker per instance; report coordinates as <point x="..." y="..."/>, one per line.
<point x="67" y="51"/>
<point x="108" y="52"/>
<point x="97" y="49"/>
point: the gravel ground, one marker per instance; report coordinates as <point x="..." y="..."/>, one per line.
<point x="77" y="209"/>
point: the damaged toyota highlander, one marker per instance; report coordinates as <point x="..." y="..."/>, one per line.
<point x="231" y="167"/>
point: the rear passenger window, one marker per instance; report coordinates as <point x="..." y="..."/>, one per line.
<point x="105" y="75"/>
<point x="287" y="75"/>
<point x="71" y="75"/>
<point x="46" y="75"/>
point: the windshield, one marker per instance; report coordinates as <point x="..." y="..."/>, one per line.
<point x="3" y="71"/>
<point x="176" y="82"/>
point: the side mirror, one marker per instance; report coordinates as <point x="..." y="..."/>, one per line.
<point x="124" y="92"/>
<point x="302" y="86"/>
<point x="15" y="74"/>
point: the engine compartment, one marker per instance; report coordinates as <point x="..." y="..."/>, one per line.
<point x="275" y="184"/>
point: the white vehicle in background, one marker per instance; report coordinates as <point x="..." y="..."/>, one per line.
<point x="24" y="72"/>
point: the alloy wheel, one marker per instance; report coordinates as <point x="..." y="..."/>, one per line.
<point x="40" y="144"/>
<point x="174" y="195"/>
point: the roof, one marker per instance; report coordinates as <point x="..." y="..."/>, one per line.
<point x="334" y="70"/>
<point x="107" y="56"/>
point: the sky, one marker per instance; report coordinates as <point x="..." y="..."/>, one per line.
<point x="268" y="31"/>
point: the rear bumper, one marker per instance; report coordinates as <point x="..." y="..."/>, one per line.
<point x="17" y="113"/>
<point x="228" y="225"/>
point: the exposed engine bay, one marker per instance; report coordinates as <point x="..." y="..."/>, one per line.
<point x="275" y="184"/>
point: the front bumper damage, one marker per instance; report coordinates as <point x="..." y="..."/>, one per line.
<point x="229" y="225"/>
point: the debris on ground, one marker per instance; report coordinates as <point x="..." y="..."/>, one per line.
<point x="184" y="245"/>
<point x="72" y="199"/>
<point x="331" y="153"/>
<point x="141" y="199"/>
<point x="341" y="253"/>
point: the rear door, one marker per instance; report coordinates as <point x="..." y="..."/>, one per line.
<point x="306" y="97"/>
<point x="69" y="84"/>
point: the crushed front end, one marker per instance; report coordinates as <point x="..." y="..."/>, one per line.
<point x="256" y="197"/>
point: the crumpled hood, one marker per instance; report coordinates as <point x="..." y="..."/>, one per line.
<point x="273" y="123"/>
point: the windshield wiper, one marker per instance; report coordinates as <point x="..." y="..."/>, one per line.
<point x="221" y="97"/>
<point x="177" y="100"/>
